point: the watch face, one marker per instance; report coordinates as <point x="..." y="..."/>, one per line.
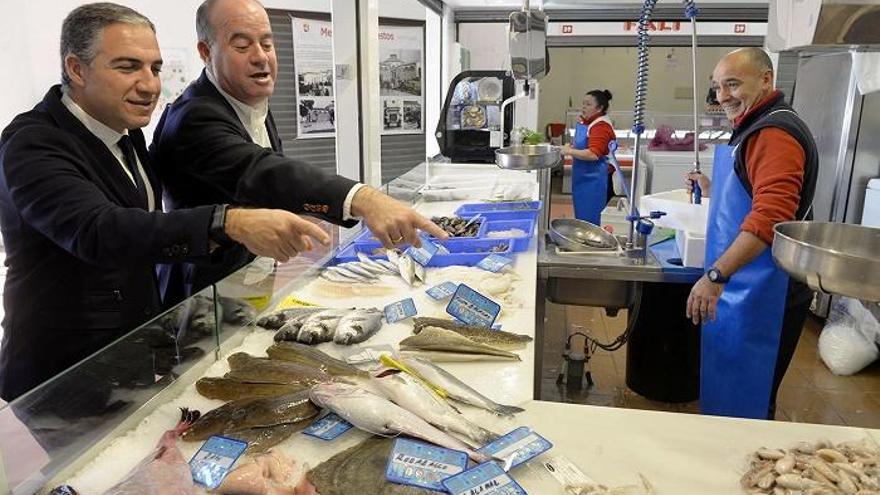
<point x="713" y="275"/>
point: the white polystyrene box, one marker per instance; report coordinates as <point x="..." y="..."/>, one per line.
<point x="680" y="213"/>
<point x="691" y="247"/>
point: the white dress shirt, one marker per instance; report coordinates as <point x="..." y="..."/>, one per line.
<point x="110" y="138"/>
<point x="254" y="121"/>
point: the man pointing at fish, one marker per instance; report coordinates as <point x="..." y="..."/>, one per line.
<point x="218" y="143"/>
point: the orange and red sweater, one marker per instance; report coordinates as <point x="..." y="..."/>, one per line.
<point x="775" y="165"/>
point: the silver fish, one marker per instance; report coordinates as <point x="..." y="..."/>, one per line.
<point x="319" y="327"/>
<point x="393" y="255"/>
<point x="391" y="267"/>
<point x="457" y="389"/>
<point x="379" y="416"/>
<point x="374" y="264"/>
<point x="358" y="326"/>
<point x="290" y="330"/>
<point x="277" y="319"/>
<point x="411" y="394"/>
<point x="357" y="268"/>
<point x="335" y="276"/>
<point x="345" y="272"/>
<point x="407" y="268"/>
<point x="419" y="271"/>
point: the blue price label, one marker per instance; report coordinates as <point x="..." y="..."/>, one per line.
<point x="486" y="479"/>
<point x="494" y="263"/>
<point x="517" y="447"/>
<point x="422" y="465"/>
<point x="423" y="254"/>
<point x="400" y="310"/>
<point x="472" y="307"/>
<point x="214" y="460"/>
<point x="328" y="427"/>
<point x="442" y="291"/>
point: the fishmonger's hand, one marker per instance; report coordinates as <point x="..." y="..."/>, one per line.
<point x="703" y="300"/>
<point x="705" y="183"/>
<point x="391" y="221"/>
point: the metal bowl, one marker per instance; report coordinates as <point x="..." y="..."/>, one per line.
<point x="836" y="258"/>
<point x="528" y="156"/>
<point x="578" y="235"/>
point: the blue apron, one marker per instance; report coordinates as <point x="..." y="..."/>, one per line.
<point x="589" y="181"/>
<point x="739" y="348"/>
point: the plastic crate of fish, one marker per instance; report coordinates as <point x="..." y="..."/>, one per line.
<point x="366" y="236"/>
<point x="516" y="210"/>
<point x="463" y="252"/>
<point x="520" y="232"/>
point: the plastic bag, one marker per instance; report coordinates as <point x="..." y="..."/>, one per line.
<point x="847" y="343"/>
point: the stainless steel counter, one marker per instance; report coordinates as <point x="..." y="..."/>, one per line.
<point x="609" y="280"/>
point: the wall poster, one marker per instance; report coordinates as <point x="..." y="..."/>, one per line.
<point x="402" y="87"/>
<point x="313" y="69"/>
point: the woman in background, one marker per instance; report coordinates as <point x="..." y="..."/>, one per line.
<point x="590" y="170"/>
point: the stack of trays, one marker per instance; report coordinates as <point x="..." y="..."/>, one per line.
<point x="496" y="220"/>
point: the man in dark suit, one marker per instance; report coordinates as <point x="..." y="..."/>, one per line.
<point x="80" y="205"/>
<point x="218" y="142"/>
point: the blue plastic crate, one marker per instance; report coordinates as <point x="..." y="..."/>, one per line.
<point x="517" y="210"/>
<point x="366" y="236"/>
<point x="463" y="252"/>
<point x="518" y="244"/>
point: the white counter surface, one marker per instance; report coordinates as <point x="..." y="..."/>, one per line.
<point x="677" y="453"/>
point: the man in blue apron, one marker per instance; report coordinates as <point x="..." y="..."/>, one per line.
<point x="752" y="313"/>
<point x="589" y="150"/>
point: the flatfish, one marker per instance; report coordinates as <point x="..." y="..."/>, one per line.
<point x="263" y="438"/>
<point x="252" y="413"/>
<point x="214" y="387"/>
<point x="360" y="470"/>
<point x="309" y="356"/>
<point x="251" y="369"/>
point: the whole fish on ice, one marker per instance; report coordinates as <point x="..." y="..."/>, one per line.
<point x="378" y="415"/>
<point x="358" y="326"/>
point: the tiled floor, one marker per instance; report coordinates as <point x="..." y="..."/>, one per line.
<point x="810" y="393"/>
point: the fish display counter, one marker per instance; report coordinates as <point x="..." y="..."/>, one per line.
<point x="338" y="375"/>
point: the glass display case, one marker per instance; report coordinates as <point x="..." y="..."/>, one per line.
<point x="50" y="432"/>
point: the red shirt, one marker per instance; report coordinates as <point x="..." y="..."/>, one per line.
<point x="775" y="165"/>
<point x="600" y="135"/>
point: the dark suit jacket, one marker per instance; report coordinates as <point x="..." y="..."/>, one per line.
<point x="80" y="246"/>
<point x="206" y="156"/>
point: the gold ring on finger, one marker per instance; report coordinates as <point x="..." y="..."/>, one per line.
<point x="396" y="241"/>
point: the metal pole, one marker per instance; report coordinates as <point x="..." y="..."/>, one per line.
<point x="544" y="194"/>
<point x="696" y="120"/>
<point x="634" y="195"/>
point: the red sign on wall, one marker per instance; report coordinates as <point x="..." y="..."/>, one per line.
<point x="567" y="28"/>
<point x="739" y="28"/>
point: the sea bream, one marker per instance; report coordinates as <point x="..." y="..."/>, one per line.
<point x="379" y="416"/>
<point x="277" y="319"/>
<point x="407" y="268"/>
<point x="290" y="329"/>
<point x="319" y="327"/>
<point x="358" y="326"/>
<point x="455" y="388"/>
<point x="411" y="394"/>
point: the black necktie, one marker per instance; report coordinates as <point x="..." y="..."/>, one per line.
<point x="131" y="162"/>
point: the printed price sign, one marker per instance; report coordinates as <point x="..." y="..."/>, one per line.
<point x="472" y="307"/>
<point x="400" y="310"/>
<point x="486" y="479"/>
<point x="214" y="460"/>
<point x="422" y="465"/>
<point x="328" y="427"/>
<point x="494" y="263"/>
<point x="442" y="291"/>
<point x="517" y="447"/>
<point x="423" y="254"/>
